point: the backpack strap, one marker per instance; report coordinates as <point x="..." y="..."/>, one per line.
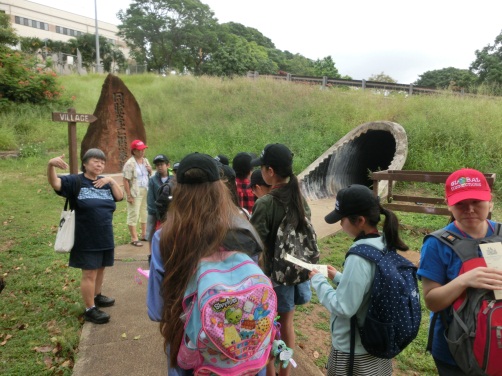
<point x="374" y="255"/>
<point x="464" y="247"/>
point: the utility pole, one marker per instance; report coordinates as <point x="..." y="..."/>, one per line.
<point x="98" y="60"/>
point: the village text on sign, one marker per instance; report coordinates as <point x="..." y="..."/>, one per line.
<point x="73" y="118"/>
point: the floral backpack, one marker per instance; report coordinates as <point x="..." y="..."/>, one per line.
<point x="229" y="311"/>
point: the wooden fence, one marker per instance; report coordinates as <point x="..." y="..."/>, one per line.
<point x="411" y="203"/>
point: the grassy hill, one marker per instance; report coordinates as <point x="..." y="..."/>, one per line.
<point x="39" y="309"/>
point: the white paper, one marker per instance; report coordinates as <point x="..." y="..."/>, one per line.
<point x="323" y="269"/>
<point x="492" y="253"/>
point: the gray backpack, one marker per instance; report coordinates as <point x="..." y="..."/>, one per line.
<point x="474" y="335"/>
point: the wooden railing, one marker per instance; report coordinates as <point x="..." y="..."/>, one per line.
<point x="411" y="203"/>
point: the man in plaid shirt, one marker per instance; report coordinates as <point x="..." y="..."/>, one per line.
<point x="242" y="167"/>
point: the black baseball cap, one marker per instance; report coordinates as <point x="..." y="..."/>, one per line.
<point x="223" y="159"/>
<point x="356" y="199"/>
<point x="257" y="179"/>
<point x="160" y="158"/>
<point x="203" y="162"/>
<point x="242" y="163"/>
<point x="274" y="155"/>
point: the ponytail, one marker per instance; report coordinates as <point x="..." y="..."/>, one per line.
<point x="291" y="198"/>
<point x="391" y="230"/>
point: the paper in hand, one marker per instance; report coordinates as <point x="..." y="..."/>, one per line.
<point x="492" y="253"/>
<point x="323" y="269"/>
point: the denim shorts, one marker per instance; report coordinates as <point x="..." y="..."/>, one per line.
<point x="290" y="296"/>
<point x="91" y="260"/>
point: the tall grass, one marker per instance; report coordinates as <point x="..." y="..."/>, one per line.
<point x="40" y="306"/>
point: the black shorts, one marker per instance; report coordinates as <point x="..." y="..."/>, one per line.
<point x="91" y="260"/>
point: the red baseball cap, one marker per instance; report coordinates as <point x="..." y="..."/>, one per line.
<point x="138" y="145"/>
<point x="467" y="184"/>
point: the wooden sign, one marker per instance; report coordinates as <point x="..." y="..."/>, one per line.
<point x="72" y="118"/>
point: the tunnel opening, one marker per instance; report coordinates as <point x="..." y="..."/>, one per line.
<point x="368" y="148"/>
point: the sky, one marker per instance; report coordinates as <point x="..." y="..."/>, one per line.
<point x="401" y="38"/>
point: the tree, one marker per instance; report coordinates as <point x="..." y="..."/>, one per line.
<point x="169" y="33"/>
<point x="86" y="44"/>
<point x="249" y="33"/>
<point x="488" y="63"/>
<point x="236" y="56"/>
<point x="382" y="77"/>
<point x="326" y="67"/>
<point x="297" y="64"/>
<point x="447" y="78"/>
<point x="8" y="36"/>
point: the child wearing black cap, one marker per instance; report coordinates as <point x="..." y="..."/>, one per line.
<point x="276" y="164"/>
<point x="201" y="222"/>
<point x="359" y="212"/>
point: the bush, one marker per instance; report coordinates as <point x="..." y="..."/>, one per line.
<point x="23" y="82"/>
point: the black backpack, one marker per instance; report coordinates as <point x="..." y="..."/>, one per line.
<point x="298" y="242"/>
<point x="164" y="198"/>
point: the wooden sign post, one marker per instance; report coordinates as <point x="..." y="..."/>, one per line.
<point x="72" y="118"/>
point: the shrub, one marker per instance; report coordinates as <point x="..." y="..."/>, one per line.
<point x="23" y="82"/>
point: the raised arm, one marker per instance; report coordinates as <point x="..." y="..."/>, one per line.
<point x="52" y="177"/>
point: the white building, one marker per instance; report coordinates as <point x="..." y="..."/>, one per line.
<point x="30" y="19"/>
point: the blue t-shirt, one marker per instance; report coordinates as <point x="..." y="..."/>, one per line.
<point x="439" y="263"/>
<point x="93" y="213"/>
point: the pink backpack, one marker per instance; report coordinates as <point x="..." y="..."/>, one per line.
<point x="230" y="308"/>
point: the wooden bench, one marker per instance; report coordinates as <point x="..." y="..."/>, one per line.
<point x="415" y="204"/>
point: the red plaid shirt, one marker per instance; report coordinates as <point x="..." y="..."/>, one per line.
<point x="245" y="194"/>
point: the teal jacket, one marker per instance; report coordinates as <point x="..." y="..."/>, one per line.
<point x="350" y="298"/>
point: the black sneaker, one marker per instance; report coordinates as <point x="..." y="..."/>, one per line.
<point x="103" y="301"/>
<point x="96" y="316"/>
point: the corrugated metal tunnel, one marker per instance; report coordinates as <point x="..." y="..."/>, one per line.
<point x="370" y="147"/>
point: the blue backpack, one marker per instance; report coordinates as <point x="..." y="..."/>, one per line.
<point x="394" y="311"/>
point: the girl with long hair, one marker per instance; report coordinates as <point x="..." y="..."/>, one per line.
<point x="200" y="223"/>
<point x="284" y="199"/>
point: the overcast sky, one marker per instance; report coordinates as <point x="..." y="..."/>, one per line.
<point x="401" y="38"/>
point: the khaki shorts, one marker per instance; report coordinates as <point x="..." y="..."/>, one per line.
<point x="137" y="210"/>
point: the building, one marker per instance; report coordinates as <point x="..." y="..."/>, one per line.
<point x="30" y="19"/>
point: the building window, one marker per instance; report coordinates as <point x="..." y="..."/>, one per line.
<point x="17" y="19"/>
<point x="26" y="22"/>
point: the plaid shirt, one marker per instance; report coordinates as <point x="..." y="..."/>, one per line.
<point x="245" y="194"/>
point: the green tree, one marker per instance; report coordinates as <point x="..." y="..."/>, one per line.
<point x="488" y="63"/>
<point x="248" y="33"/>
<point x="8" y="36"/>
<point x="86" y="44"/>
<point x="236" y="56"/>
<point x="447" y="78"/>
<point x="297" y="64"/>
<point x="326" y="67"/>
<point x="169" y="34"/>
<point x="382" y="77"/>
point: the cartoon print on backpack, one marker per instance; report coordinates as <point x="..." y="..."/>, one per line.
<point x="375" y="310"/>
<point x="466" y="324"/>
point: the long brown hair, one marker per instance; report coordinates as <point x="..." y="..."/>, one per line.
<point x="197" y="221"/>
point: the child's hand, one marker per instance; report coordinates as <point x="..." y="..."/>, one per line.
<point x="331" y="272"/>
<point x="313" y="272"/>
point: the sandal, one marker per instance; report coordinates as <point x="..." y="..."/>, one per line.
<point x="137" y="243"/>
<point x="143" y="239"/>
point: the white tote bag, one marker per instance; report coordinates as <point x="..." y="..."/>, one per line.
<point x="65" y="237"/>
